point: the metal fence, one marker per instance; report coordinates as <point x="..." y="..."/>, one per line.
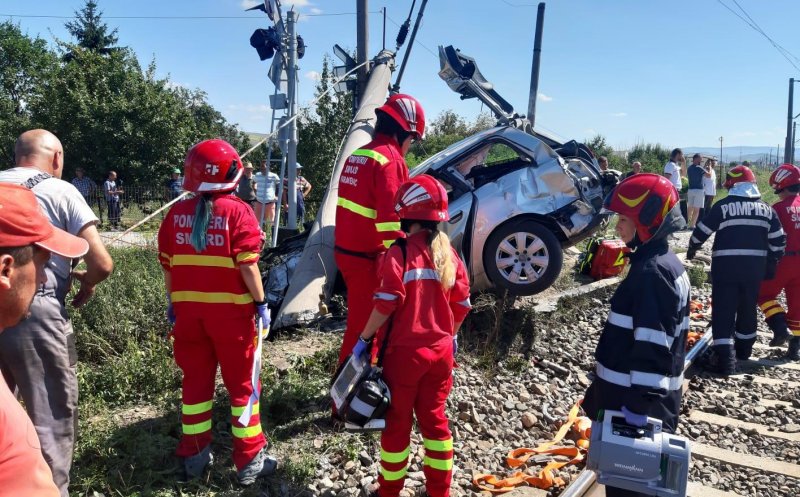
<point x="136" y="203"/>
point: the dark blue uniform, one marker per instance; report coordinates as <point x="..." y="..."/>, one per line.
<point x="641" y="351"/>
<point x="749" y="237"/>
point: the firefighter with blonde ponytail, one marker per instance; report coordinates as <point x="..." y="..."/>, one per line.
<point x="424" y="291"/>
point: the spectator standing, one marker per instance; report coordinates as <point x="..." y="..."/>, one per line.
<point x="26" y="240"/>
<point x="112" y="193"/>
<point x="636" y="168"/>
<point x="246" y="190"/>
<point x="709" y="187"/>
<point x="266" y="198"/>
<point x="303" y="189"/>
<point x="174" y="185"/>
<point x="695" y="197"/>
<point x="672" y="170"/>
<point x="38" y="355"/>
<point x="86" y="186"/>
<point x="602" y="161"/>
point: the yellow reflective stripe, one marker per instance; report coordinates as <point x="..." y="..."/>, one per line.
<point x="196" y="408"/>
<point x="766" y="305"/>
<point x="390" y="226"/>
<point x="440" y="464"/>
<point x="165" y="256"/>
<point x="388" y="243"/>
<point x="197" y="428"/>
<point x="246" y="257"/>
<point x="212" y="297"/>
<point x="238" y="411"/>
<point x="202" y="260"/>
<point x="382" y="160"/>
<point x="358" y="209"/>
<point x="395" y="457"/>
<point x="770" y="313"/>
<point x="393" y="475"/>
<point x="440" y="445"/>
<point x="247" y="431"/>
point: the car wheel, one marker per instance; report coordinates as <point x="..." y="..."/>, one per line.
<point x="523" y="257"/>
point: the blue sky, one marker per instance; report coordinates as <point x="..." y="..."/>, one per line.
<point x="677" y="72"/>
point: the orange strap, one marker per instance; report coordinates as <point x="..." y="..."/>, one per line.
<point x="545" y="478"/>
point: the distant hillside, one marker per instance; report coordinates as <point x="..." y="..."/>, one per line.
<point x="752" y="153"/>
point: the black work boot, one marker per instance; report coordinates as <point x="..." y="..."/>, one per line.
<point x="780" y="330"/>
<point x="793" y="354"/>
<point x="722" y="361"/>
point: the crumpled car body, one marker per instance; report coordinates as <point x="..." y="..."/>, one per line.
<point x="516" y="200"/>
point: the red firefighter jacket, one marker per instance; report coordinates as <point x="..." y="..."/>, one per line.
<point x="424" y="312"/>
<point x="365" y="218"/>
<point x="209" y="283"/>
<point x="788" y="211"/>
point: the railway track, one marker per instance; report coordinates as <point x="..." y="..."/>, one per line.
<point x="733" y="455"/>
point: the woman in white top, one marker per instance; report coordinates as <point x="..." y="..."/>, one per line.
<point x="709" y="186"/>
<point x="266" y="183"/>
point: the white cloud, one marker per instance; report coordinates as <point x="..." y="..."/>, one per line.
<point x="619" y="114"/>
<point x="590" y="132"/>
<point x="313" y="75"/>
<point x="296" y="3"/>
<point x="315" y="11"/>
<point x="544" y="98"/>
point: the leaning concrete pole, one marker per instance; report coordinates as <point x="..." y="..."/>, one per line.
<point x="316" y="271"/>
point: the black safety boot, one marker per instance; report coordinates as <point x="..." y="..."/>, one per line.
<point x="722" y="361"/>
<point x="793" y="354"/>
<point x="780" y="330"/>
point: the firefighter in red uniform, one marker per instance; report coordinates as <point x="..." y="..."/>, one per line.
<point x="785" y="180"/>
<point x="426" y="292"/>
<point x="366" y="222"/>
<point x="208" y="247"/>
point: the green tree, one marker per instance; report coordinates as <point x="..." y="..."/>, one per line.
<point x="652" y="156"/>
<point x="90" y="31"/>
<point x="444" y="130"/>
<point x="26" y="67"/>
<point x="600" y="147"/>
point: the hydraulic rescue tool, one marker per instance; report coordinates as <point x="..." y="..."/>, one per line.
<point x="641" y="459"/>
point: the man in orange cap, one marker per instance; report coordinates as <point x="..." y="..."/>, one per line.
<point x="26" y="241"/>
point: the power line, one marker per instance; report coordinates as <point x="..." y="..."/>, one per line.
<point x="180" y="17"/>
<point x="750" y="22"/>
<point x="417" y="40"/>
<point x="519" y="4"/>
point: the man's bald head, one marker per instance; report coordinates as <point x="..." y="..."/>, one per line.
<point x="40" y="149"/>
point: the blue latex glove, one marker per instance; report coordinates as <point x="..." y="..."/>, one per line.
<point x="360" y="349"/>
<point x="633" y="418"/>
<point x="263" y="312"/>
<point x="170" y="311"/>
<point x="455" y="345"/>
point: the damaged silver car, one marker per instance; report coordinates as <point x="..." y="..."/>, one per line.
<point x="517" y="197"/>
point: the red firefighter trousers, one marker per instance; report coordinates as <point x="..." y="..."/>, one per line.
<point x="419" y="380"/>
<point x="787" y="278"/>
<point x="361" y="277"/>
<point x="201" y="344"/>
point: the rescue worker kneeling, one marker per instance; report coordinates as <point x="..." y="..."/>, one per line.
<point x="426" y="293"/>
<point x="641" y="351"/>
<point x="214" y="290"/>
<point x="747" y="247"/>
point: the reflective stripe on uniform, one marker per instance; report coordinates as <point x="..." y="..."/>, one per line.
<point x="743" y="336"/>
<point x="466" y="303"/>
<point x="388" y="243"/>
<point x="420" y="274"/>
<point x="620" y="320"/>
<point x="440" y="464"/>
<point x="776" y="234"/>
<point x="202" y="260"/>
<point x="246" y="432"/>
<point x="438" y="445"/>
<point x="393" y="475"/>
<point x="212" y="297"/>
<point x="376" y="156"/>
<point x="705" y="229"/>
<point x="197" y="428"/>
<point x="385" y="296"/>
<point x="722" y="341"/>
<point x="395" y="457"/>
<point x="639" y="378"/>
<point x="238" y="411"/>
<point x="246" y="257"/>
<point x="356" y="208"/>
<point x="165" y="256"/>
<point x="657" y="337"/>
<point x="388" y="226"/>
<point x="752" y="252"/>
<point x="744" y="222"/>
<point x="200" y="408"/>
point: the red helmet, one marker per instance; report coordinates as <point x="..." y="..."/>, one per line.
<point x="646" y="198"/>
<point x="784" y="176"/>
<point x="422" y="198"/>
<point x="407" y="112"/>
<point x="212" y="166"/>
<point x="739" y="174"/>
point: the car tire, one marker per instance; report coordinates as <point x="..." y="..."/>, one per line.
<point x="524" y="270"/>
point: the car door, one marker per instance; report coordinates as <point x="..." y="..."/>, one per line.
<point x="460" y="200"/>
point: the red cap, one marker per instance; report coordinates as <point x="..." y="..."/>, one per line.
<point x="22" y="223"/>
